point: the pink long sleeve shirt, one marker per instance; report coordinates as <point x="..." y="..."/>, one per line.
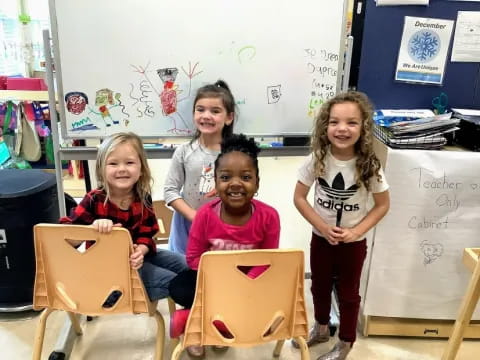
<point x="209" y="232"/>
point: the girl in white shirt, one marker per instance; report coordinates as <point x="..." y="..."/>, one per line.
<point x="345" y="171"/>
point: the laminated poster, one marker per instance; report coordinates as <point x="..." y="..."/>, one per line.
<point x="423" y="50"/>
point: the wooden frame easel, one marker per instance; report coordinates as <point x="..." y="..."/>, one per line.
<point x="469" y="302"/>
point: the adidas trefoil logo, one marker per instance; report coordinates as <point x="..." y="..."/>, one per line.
<point x="337" y="195"/>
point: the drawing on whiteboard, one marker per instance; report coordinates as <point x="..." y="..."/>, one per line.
<point x="431" y="251"/>
<point x="76" y="102"/>
<point x="142" y="104"/>
<point x="105" y="103"/>
<point x="274" y="94"/>
<point x="84" y="124"/>
<point x="246" y="53"/>
<point x="313" y="105"/>
<point x="168" y="96"/>
<point x="126" y="120"/>
<point x="320" y="92"/>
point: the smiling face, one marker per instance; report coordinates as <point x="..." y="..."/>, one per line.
<point x="344" y="129"/>
<point x="236" y="182"/>
<point x="210" y="116"/>
<point x="122" y="169"/>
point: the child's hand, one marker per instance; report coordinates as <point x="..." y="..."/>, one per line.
<point x="349" y="235"/>
<point x="104" y="225"/>
<point x="211" y="193"/>
<point x="136" y="259"/>
<point x="333" y="235"/>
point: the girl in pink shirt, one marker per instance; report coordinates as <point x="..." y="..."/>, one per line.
<point x="235" y="221"/>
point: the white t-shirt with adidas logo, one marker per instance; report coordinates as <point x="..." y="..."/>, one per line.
<point x="337" y="196"/>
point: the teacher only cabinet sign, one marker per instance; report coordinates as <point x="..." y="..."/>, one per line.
<point x="416" y="269"/>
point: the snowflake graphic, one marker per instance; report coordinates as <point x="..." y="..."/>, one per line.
<point x="423" y="46"/>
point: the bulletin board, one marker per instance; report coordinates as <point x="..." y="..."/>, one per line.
<point x="381" y="41"/>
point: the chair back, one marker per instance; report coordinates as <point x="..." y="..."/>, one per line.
<point x="164" y="218"/>
<point x="80" y="282"/>
<point x="254" y="310"/>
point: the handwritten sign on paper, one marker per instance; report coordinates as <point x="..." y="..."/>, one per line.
<point x="417" y="258"/>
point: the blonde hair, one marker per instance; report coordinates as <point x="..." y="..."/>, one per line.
<point x="143" y="187"/>
<point x="367" y="164"/>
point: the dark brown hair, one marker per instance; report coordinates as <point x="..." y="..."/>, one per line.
<point x="220" y="90"/>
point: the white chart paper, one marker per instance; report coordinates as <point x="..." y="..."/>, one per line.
<point x="466" y="42"/>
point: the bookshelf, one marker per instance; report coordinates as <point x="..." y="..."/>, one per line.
<point x="23" y="95"/>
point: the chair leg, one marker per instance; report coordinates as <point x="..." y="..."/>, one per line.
<point x="40" y="334"/>
<point x="278" y="348"/>
<point x="173" y="344"/>
<point x="171" y="306"/>
<point x="177" y="351"/>
<point x="469" y="303"/>
<point x="305" y="354"/>
<point x="75" y="323"/>
<point x="160" y="336"/>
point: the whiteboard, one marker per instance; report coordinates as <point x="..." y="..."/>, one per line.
<point x="416" y="269"/>
<point x="136" y="65"/>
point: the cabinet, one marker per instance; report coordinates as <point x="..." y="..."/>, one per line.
<point x="416" y="279"/>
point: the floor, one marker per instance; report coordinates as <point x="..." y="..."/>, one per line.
<point x="132" y="337"/>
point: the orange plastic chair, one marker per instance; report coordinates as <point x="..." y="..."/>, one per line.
<point x="268" y="308"/>
<point x="80" y="282"/>
<point x="164" y="217"/>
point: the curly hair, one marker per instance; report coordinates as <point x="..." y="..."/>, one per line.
<point x="143" y="187"/>
<point x="239" y="142"/>
<point x="367" y="163"/>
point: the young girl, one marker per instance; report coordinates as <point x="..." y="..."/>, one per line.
<point x="190" y="182"/>
<point x="235" y="221"/>
<point x="345" y="171"/>
<point x="123" y="199"/>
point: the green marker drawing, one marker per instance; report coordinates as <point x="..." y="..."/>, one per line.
<point x="247" y="56"/>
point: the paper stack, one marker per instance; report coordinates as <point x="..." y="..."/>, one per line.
<point x="414" y="129"/>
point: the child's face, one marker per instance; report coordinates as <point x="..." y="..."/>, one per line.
<point x="236" y="182"/>
<point x="210" y="116"/>
<point x="122" y="168"/>
<point x="344" y="128"/>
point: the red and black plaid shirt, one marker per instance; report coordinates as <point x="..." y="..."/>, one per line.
<point x="141" y="225"/>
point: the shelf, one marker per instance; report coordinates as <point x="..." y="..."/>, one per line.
<point x="23" y="95"/>
<point x="90" y="152"/>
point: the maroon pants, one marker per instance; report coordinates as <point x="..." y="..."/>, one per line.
<point x="340" y="264"/>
